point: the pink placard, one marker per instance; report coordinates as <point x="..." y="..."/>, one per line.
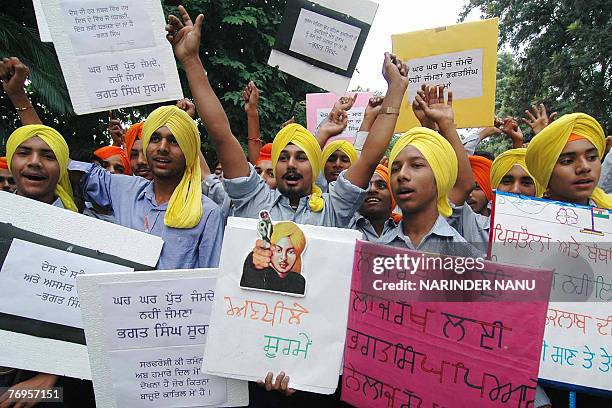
<point x="439" y="354"/>
<point x="318" y="106"/>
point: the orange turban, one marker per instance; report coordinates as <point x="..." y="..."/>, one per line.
<point x="481" y="169"/>
<point x="383" y="171"/>
<point x="134" y="132"/>
<point x="105" y="152"/>
<point x="3" y="163"/>
<point x="265" y="153"/>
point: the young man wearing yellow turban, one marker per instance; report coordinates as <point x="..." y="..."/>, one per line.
<point x="337" y="156"/>
<point x="170" y="206"/>
<point x="296" y="154"/>
<point x="566" y="158"/>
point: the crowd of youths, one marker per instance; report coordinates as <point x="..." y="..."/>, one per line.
<point x="432" y="193"/>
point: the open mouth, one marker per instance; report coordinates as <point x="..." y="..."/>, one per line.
<point x="34" y="177"/>
<point x="583" y="183"/>
<point x="405" y="193"/>
<point x="372" y="200"/>
<point x="292" y="179"/>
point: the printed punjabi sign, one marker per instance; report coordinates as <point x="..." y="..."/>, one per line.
<point x="113" y="53"/>
<point x="146" y="333"/>
<point x="288" y="316"/>
<point x="320" y="42"/>
<point x="575" y="241"/>
<point x="462" y="57"/>
<point x="43" y="249"/>
<point x="405" y="352"/>
<point x="318" y="106"/>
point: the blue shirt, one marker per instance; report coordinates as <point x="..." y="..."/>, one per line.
<point x="473" y="227"/>
<point x="251" y="194"/>
<point x="362" y="224"/>
<point x="132" y="199"/>
<point x="441" y="239"/>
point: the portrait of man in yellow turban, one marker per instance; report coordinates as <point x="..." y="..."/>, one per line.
<point x="277" y="266"/>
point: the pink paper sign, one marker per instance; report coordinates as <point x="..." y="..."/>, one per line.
<point x="318" y="106"/>
<point x="439" y="354"/>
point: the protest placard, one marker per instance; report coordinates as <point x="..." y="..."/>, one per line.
<point x="42" y="250"/>
<point x="265" y="322"/>
<point x="575" y="241"/>
<point x="321" y="41"/>
<point x="461" y="57"/>
<point x="41" y="22"/>
<point x="113" y="53"/>
<point x="404" y="349"/>
<point x="146" y="333"/>
<point x="318" y="106"/>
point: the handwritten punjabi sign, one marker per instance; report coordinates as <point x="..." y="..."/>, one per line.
<point x="461" y="57"/>
<point x="154" y="329"/>
<point x="43" y="249"/>
<point x="320" y="42"/>
<point x="577" y="242"/>
<point x="405" y="353"/>
<point x="318" y="106"/>
<point x="253" y="331"/>
<point x="113" y="53"/>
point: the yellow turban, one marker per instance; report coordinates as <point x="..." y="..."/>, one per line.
<point x="302" y="138"/>
<point x="546" y="147"/>
<point x="342" y="145"/>
<point x="441" y="158"/>
<point x="504" y="163"/>
<point x="287" y="229"/>
<point x="185" y="205"/>
<point x="56" y="142"/>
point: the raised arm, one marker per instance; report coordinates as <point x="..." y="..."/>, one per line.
<point x="396" y="75"/>
<point x="250" y="96"/>
<point x="13" y="74"/>
<point x="185" y="40"/>
<point x="442" y="114"/>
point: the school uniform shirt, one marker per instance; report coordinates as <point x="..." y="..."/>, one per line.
<point x="212" y="187"/>
<point x="133" y="202"/>
<point x="471" y="226"/>
<point x="362" y="224"/>
<point x="441" y="239"/>
<point x="251" y="194"/>
<point x="605" y="178"/>
<point x="90" y="211"/>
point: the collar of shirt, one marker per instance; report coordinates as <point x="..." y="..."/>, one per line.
<point x="149" y="193"/>
<point x="441" y="229"/>
<point x="361" y="221"/>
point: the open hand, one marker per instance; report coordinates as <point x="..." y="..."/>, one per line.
<point x="185" y="36"/>
<point x="539" y="119"/>
<point x="435" y="108"/>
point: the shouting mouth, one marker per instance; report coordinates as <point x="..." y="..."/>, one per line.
<point x="292" y="179"/>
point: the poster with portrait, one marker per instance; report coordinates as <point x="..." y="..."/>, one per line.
<point x="281" y="303"/>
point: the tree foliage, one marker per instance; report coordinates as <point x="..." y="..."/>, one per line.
<point x="236" y="41"/>
<point x="562" y="51"/>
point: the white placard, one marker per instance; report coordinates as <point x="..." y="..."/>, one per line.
<point x="324" y="39"/>
<point x="460" y="72"/>
<point x="146" y="333"/>
<point x="33" y="217"/>
<point x="113" y="53"/>
<point x="41" y="22"/>
<point x="39" y="282"/>
<point x="575" y="241"/>
<point x="253" y="332"/>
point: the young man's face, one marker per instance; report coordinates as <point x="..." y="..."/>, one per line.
<point x="517" y="181"/>
<point x="283" y="256"/>
<point x="114" y="165"/>
<point x="164" y="155"/>
<point x="138" y="163"/>
<point x="7" y="181"/>
<point x="576" y="173"/>
<point x="335" y="164"/>
<point x="36" y="170"/>
<point x="377" y="204"/>
<point x="412" y="181"/>
<point x="264" y="169"/>
<point x="293" y="172"/>
<point x="478" y="200"/>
